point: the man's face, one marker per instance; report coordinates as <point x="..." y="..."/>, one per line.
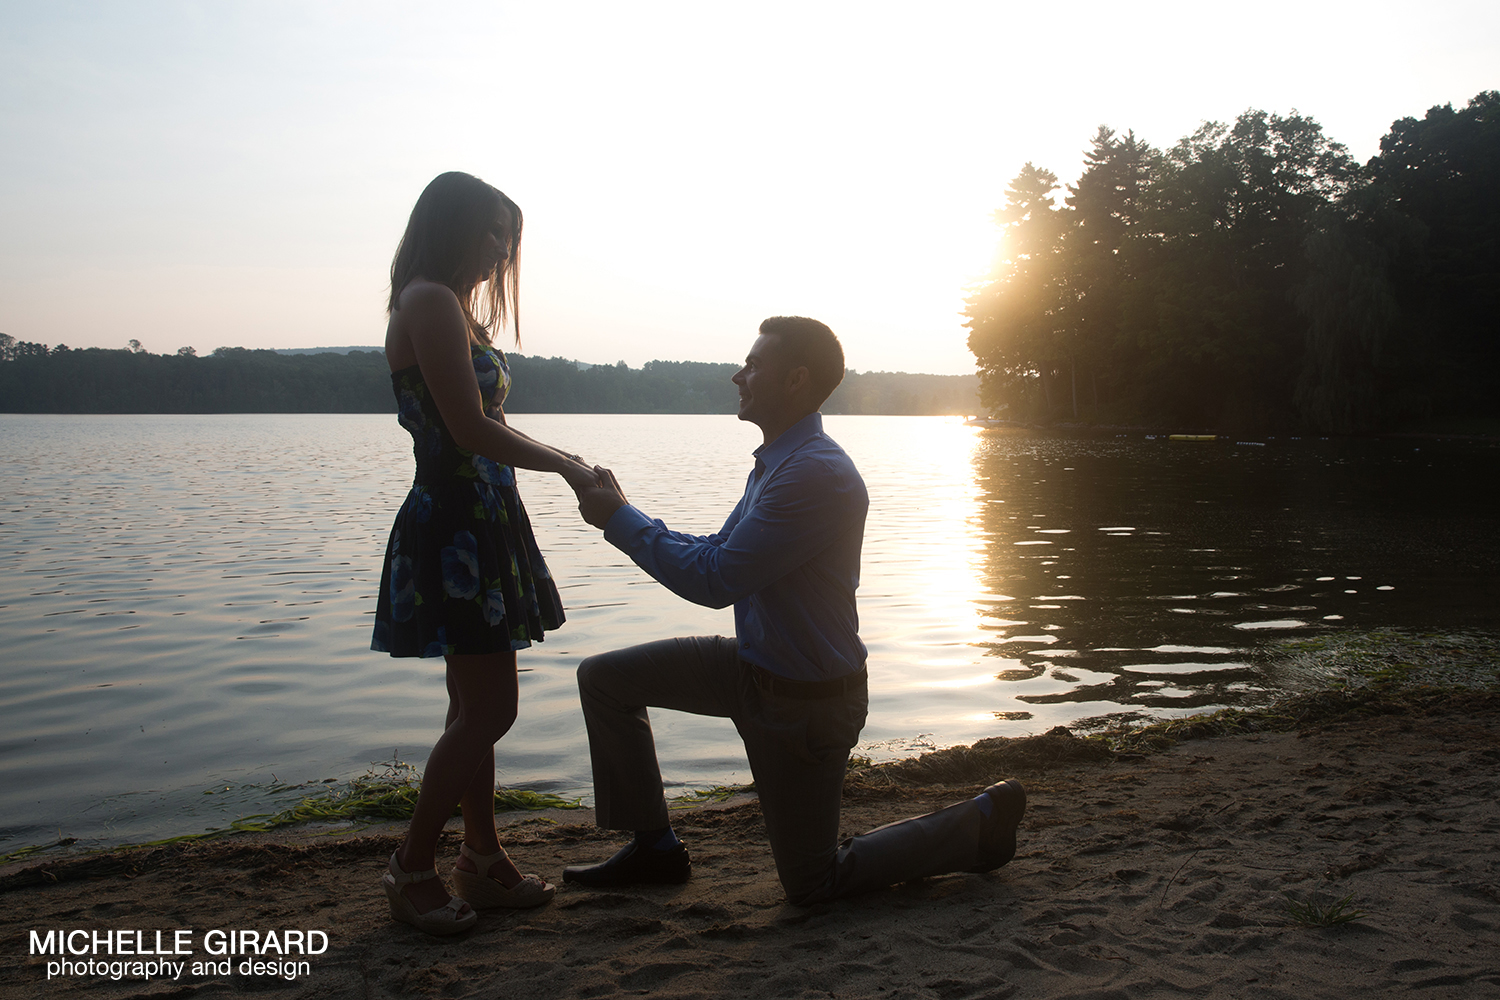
<point x="763" y="383"/>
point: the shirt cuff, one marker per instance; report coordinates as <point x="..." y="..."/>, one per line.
<point x="624" y="526"/>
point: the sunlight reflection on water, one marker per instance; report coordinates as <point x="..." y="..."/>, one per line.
<point x="187" y="603"/>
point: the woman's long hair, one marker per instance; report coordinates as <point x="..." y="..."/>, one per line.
<point x="442" y="241"/>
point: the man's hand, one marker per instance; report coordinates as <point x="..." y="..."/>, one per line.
<point x="580" y="475"/>
<point x="598" y="504"/>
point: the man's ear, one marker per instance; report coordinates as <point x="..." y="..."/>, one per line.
<point x="799" y="379"/>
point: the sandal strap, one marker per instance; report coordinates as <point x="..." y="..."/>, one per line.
<point x="482" y="861"/>
<point x="404" y="877"/>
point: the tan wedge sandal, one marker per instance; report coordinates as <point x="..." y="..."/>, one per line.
<point x="486" y="893"/>
<point x="442" y="921"/>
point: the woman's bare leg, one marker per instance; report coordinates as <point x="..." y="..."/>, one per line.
<point x="482" y="697"/>
<point x="478" y="805"/>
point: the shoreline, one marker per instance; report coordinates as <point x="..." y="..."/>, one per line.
<point x="1318" y="675"/>
<point x="1194" y="855"/>
<point x="1321" y="677"/>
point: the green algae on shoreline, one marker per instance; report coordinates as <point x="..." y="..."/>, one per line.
<point x="387" y="794"/>
<point x="1339" y="676"/>
<point x="1333" y="677"/>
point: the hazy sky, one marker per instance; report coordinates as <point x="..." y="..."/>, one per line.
<point x="237" y="174"/>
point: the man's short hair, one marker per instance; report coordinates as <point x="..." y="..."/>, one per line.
<point x="808" y="343"/>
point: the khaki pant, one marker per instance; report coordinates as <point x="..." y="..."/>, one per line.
<point x="798" y="749"/>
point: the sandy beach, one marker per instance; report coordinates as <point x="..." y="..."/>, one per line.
<point x="1139" y="874"/>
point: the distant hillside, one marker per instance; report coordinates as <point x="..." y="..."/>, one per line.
<point x="329" y="350"/>
<point x="905" y="393"/>
<point x="35" y="378"/>
<point x="557" y="385"/>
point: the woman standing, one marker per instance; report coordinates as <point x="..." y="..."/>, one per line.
<point x="463" y="578"/>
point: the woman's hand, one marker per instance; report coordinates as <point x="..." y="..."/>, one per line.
<point x="578" y="475"/>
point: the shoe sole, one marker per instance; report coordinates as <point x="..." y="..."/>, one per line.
<point x="402" y="911"/>
<point x="1010" y="797"/>
<point x="486" y="894"/>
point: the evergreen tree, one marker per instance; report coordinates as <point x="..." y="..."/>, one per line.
<point x="1213" y="305"/>
<point x="1443" y="174"/>
<point x="1019" y="318"/>
<point x="1109" y="213"/>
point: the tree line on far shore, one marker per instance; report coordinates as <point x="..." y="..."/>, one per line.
<point x="1254" y="276"/>
<point x="35" y="378"/>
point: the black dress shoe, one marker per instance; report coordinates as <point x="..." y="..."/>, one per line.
<point x="634" y="865"/>
<point x="997" y="834"/>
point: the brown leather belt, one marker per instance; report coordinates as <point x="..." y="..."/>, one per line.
<point x="775" y="684"/>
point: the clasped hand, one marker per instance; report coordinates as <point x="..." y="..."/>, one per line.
<point x="599" y="501"/>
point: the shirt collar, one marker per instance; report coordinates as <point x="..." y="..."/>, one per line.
<point x="773" y="454"/>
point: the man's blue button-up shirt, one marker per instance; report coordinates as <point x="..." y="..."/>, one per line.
<point x="787" y="558"/>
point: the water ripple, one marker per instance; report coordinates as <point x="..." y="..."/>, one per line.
<point x="188" y="600"/>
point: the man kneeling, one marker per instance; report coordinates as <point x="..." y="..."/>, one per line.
<point x="793" y="679"/>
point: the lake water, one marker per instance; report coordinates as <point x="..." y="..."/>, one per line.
<point x="186" y="600"/>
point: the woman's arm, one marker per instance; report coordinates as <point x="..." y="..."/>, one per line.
<point x="498" y="414"/>
<point x="572" y="458"/>
<point x="438" y="331"/>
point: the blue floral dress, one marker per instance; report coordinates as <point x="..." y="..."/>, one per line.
<point x="462" y="570"/>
